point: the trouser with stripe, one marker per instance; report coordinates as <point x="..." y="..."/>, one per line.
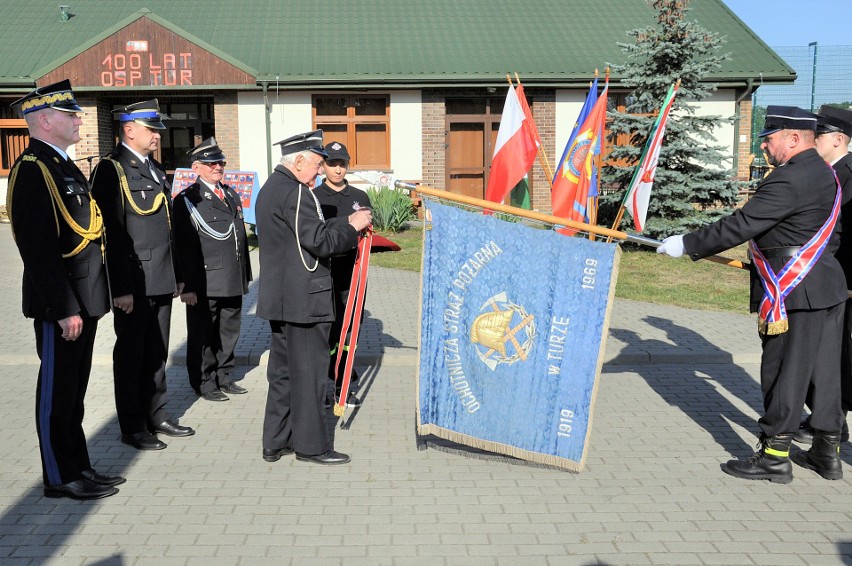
<point x="61" y="388"/>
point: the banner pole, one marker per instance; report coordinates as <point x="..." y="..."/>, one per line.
<point x="550" y="219"/>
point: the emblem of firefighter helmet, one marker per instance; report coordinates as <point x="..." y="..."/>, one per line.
<point x="503" y="333"/>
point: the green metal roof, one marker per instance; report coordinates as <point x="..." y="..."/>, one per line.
<point x="378" y="42"/>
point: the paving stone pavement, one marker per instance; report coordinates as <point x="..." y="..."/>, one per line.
<point x="678" y="396"/>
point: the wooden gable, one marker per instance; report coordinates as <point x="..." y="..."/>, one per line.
<point x="146" y="54"/>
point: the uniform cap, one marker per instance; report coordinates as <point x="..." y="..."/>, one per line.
<point x="337" y="151"/>
<point x="146" y="113"/>
<point x="207" y="151"/>
<point x="308" y="141"/>
<point x="833" y="119"/>
<point x="787" y="118"/>
<point x="58" y="96"/>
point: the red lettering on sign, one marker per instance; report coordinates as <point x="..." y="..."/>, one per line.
<point x="151" y="72"/>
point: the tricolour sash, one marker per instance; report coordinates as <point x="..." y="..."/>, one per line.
<point x="772" y="314"/>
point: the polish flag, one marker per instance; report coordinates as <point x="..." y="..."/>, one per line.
<point x="514" y="152"/>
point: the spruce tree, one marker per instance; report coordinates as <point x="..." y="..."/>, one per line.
<point x="691" y="186"/>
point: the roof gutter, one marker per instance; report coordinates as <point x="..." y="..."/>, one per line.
<point x="749" y="89"/>
<point x="267" y="123"/>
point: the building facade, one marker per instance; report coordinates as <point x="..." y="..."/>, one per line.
<point x="423" y="105"/>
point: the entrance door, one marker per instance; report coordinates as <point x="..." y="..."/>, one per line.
<point x="471" y="130"/>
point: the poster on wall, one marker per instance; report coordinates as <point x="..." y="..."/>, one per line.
<point x="245" y="183"/>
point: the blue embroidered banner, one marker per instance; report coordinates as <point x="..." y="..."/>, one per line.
<point x="514" y="321"/>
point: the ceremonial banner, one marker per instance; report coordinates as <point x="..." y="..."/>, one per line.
<point x="513" y="327"/>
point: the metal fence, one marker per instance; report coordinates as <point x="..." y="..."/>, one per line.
<point x="824" y="76"/>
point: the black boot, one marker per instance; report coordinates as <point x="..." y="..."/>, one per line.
<point x="824" y="455"/>
<point x="770" y="462"/>
<point x="805" y="434"/>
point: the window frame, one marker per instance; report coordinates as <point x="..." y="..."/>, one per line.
<point x="351" y="121"/>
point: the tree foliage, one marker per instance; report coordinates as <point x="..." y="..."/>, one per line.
<point x="692" y="186"/>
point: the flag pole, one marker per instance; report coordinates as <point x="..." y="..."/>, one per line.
<point x="594" y="201"/>
<point x="547" y="218"/>
<point x="542" y="155"/>
<point x="637" y="171"/>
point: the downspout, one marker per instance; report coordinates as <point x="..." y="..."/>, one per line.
<point x="747" y="92"/>
<point x="268" y="124"/>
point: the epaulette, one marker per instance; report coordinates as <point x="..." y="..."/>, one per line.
<point x="29" y="158"/>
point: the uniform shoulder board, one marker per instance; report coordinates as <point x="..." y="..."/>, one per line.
<point x="28" y="157"/>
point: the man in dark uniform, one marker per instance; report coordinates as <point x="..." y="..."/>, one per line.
<point x="212" y="252"/>
<point x="338" y="198"/>
<point x="135" y="198"/>
<point x="798" y="289"/>
<point x="296" y="298"/>
<point x="59" y="232"/>
<point x="834" y="129"/>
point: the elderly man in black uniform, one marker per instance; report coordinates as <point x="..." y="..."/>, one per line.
<point x="213" y="255"/>
<point x="58" y="229"/>
<point x="834" y="129"/>
<point x="338" y="198"/>
<point x="798" y="290"/>
<point x="135" y="198"/>
<point x="296" y="297"/>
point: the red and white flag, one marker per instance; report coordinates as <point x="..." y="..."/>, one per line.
<point x="514" y="152"/>
<point x="639" y="192"/>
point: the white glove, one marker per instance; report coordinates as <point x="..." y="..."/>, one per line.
<point x="673" y="246"/>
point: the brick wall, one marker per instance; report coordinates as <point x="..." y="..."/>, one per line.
<point x="227" y="126"/>
<point x="89" y="144"/>
<point x="543" y="105"/>
<point x="744" y="148"/>
<point x="434" y="139"/>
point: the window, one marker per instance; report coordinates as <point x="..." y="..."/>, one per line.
<point x="14" y="138"/>
<point x="360" y="122"/>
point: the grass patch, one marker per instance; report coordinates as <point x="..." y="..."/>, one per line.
<point x="408" y="258"/>
<point x="643" y="275"/>
<point x="654" y="278"/>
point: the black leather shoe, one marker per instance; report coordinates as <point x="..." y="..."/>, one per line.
<point x="81" y="489"/>
<point x="143" y="441"/>
<point x="101" y="479"/>
<point x="274" y="454"/>
<point x="329" y="458"/>
<point x="805" y="434"/>
<point x="215" y="395"/>
<point x="352" y="402"/>
<point x="171" y="428"/>
<point x="233" y="389"/>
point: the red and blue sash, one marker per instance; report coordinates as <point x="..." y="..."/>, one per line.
<point x="772" y="315"/>
<point x="352" y="316"/>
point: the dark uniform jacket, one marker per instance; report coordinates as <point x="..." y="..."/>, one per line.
<point x="288" y="291"/>
<point x="787" y="209"/>
<point x="211" y="266"/>
<point x="55" y="288"/>
<point x="341" y="204"/>
<point x="139" y="246"/>
<point x="843" y="168"/>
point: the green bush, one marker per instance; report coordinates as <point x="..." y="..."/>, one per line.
<point x="391" y="209"/>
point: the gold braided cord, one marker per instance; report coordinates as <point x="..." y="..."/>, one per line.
<point x="12" y="179"/>
<point x="93" y="232"/>
<point x="158" y="201"/>
<point x="96" y="224"/>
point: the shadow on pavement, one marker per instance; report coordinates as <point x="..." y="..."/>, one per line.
<point x="698" y="392"/>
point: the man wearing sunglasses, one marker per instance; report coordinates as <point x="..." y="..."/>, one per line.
<point x="212" y="253"/>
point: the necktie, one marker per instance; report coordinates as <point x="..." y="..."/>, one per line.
<point x="219" y="193"/>
<point x="151" y="169"/>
